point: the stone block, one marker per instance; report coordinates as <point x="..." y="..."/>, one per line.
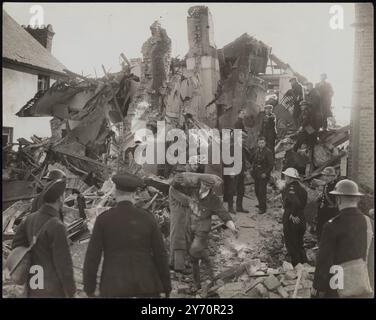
<point x="282" y="292"/>
<point x="286" y="266"/>
<point x="272" y="282"/>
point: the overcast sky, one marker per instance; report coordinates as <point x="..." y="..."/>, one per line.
<point x="89" y="35"/>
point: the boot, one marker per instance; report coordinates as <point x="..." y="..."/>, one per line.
<point x="239" y="205"/>
<point x="231" y="208"/>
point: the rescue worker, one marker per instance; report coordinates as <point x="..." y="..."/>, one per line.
<point x="308" y="127"/>
<point x="268" y="128"/>
<point x="297" y="93"/>
<point x="327" y="207"/>
<point x="134" y="256"/>
<point x="51" y="251"/>
<point x="262" y="166"/>
<point x="294" y="199"/>
<point x="346" y="237"/>
<point x="197" y="191"/>
<point x="234" y="183"/>
<point x="297" y="160"/>
<point x="313" y="98"/>
<point x="179" y="219"/>
<point x="326" y="93"/>
<point x="239" y="124"/>
<point x="53" y="175"/>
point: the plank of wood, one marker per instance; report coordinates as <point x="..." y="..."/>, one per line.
<point x="26" y="197"/>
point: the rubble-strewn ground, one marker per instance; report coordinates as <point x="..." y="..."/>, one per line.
<point x="241" y="265"/>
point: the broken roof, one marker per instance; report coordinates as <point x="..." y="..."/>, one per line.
<point x="21" y="48"/>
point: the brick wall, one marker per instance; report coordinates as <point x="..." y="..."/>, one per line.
<point x="361" y="160"/>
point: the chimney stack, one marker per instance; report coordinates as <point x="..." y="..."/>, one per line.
<point x="43" y="35"/>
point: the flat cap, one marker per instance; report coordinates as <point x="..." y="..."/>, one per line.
<point x="54" y="190"/>
<point x="293" y="79"/>
<point x="55" y="174"/>
<point x="127" y="182"/>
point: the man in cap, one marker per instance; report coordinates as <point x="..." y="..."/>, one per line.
<point x="346" y="237"/>
<point x="135" y="260"/>
<point x="294" y="199"/>
<point x="326" y="93"/>
<point x="297" y="93"/>
<point x="53" y="175"/>
<point x="234" y="183"/>
<point x="268" y="128"/>
<point x="262" y="166"/>
<point x="196" y="193"/>
<point x="327" y="207"/>
<point x="51" y="251"/>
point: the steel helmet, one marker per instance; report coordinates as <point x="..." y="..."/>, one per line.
<point x="291" y="172"/>
<point x="55" y="174"/>
<point x="329" y="171"/>
<point x="346" y="187"/>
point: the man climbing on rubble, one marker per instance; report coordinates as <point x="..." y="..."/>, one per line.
<point x="239" y="124"/>
<point x="262" y="166"/>
<point x="348" y="237"/>
<point x="268" y="128"/>
<point x="326" y="93"/>
<point x="294" y="200"/>
<point x="307" y="127"/>
<point x="297" y="94"/>
<point x="327" y="207"/>
<point x="134" y="256"/>
<point x="195" y="193"/>
<point x="51" y="251"/>
<point x="313" y="98"/>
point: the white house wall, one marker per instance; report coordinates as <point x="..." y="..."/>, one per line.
<point x="18" y="88"/>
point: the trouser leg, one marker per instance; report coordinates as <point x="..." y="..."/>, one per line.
<point x="293" y="235"/>
<point x="240" y="190"/>
<point x="257" y="190"/>
<point x="262" y="193"/>
<point x="197" y="252"/>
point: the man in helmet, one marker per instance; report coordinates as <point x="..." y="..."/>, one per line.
<point x="294" y="198"/>
<point x="327" y="207"/>
<point x="53" y="175"/>
<point x="346" y="237"/>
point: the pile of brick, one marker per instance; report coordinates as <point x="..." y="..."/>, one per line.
<point x="260" y="281"/>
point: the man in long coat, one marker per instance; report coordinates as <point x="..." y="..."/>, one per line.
<point x="51" y="251"/>
<point x="134" y="255"/>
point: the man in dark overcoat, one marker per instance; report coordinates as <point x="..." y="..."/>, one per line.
<point x="134" y="256"/>
<point x="294" y="198"/>
<point x="346" y="237"/>
<point x="51" y="251"/>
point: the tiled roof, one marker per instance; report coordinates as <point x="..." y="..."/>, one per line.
<point x="20" y="47"/>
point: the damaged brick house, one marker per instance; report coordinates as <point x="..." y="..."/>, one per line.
<point x="28" y="67"/>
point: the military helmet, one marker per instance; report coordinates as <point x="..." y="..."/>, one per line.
<point x="291" y="172"/>
<point x="346" y="187"/>
<point x="329" y="171"/>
